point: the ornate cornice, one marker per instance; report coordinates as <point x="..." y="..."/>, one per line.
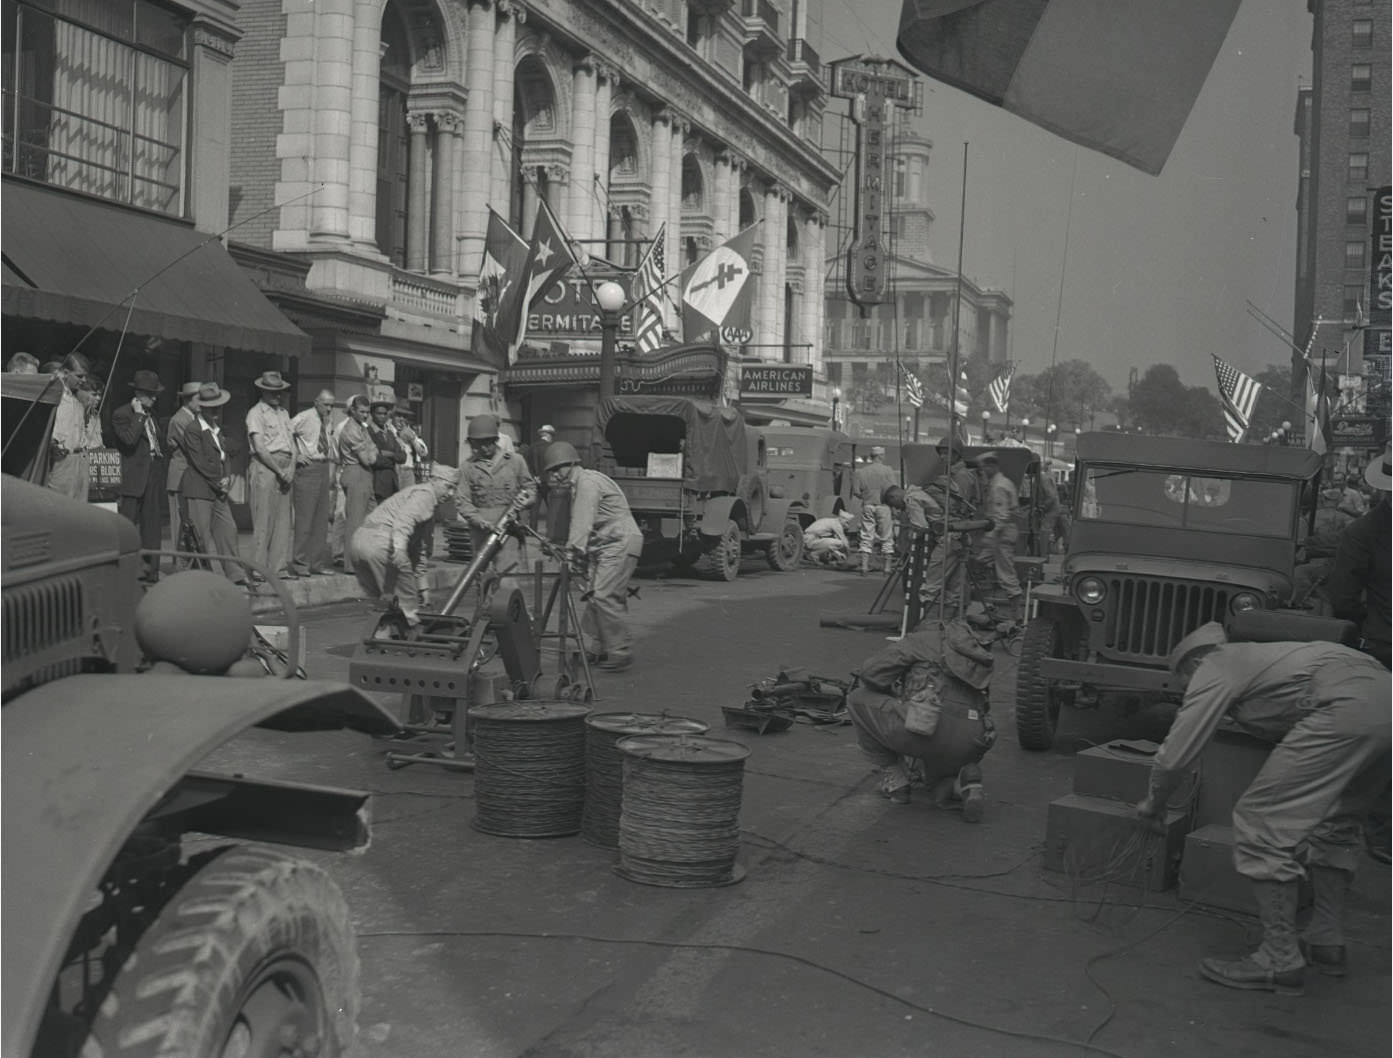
<point x="511" y="9"/>
<point x="215" y="38"/>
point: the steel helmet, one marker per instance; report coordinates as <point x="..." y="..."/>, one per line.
<point x="559" y="454"/>
<point x="483" y="428"/>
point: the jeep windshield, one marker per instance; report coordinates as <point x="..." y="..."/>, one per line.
<point x="1179" y="500"/>
<point x="795" y="451"/>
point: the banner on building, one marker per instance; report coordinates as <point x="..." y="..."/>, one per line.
<point x="776" y="380"/>
<point x="1376" y="334"/>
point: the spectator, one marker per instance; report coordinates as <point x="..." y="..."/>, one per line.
<point x="413" y="471"/>
<point x="316" y="458"/>
<point x="142" y="465"/>
<point x="70" y="470"/>
<point x="271" y="476"/>
<point x="183" y="420"/>
<point x="207" y="476"/>
<point x="390" y="453"/>
<point x="23" y="364"/>
<point x="357" y="458"/>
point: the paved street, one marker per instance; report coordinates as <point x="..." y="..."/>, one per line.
<point x="862" y="930"/>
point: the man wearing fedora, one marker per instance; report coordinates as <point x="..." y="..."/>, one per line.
<point x="207" y="476"/>
<point x="413" y="471"/>
<point x="179" y="424"/>
<point x="142" y="464"/>
<point x="390" y="454"/>
<point x="271" y="474"/>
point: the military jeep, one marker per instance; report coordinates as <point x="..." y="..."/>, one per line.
<point x="696" y="479"/>
<point x="1168" y="533"/>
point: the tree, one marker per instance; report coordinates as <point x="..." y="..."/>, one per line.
<point x="1273" y="408"/>
<point x="1068" y="394"/>
<point x="1121" y="408"/>
<point x="1202" y="415"/>
<point x="1158" y="399"/>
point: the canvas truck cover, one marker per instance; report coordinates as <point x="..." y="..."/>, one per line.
<point x="713" y="438"/>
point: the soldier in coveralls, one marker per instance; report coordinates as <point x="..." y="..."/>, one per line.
<point x="489" y="480"/>
<point x="1326" y="707"/>
<point x="920" y="713"/>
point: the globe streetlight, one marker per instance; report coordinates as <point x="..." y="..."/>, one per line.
<point x="610" y="298"/>
<point x="836" y="407"/>
<point x="986" y="422"/>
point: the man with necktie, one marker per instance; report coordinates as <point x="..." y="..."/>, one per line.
<point x="270" y="475"/>
<point x="179" y="424"/>
<point x="316" y="458"/>
<point x="206" y="479"/>
<point x="142" y="465"/>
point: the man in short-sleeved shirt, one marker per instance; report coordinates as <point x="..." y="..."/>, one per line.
<point x="271" y="475"/>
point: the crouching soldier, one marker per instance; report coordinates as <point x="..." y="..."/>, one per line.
<point x="920" y="712"/>
<point x="387" y="549"/>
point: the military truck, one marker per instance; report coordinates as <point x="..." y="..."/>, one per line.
<point x="697" y="481"/>
<point x="133" y="925"/>
<point x="1168" y="533"/>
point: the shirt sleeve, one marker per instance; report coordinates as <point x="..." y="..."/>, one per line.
<point x="1208" y="698"/>
<point x="256" y="422"/>
<point x="916" y="509"/>
<point x="585" y="500"/>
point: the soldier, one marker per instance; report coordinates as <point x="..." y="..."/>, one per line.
<point x="921" y="714"/>
<point x="604" y="541"/>
<point x="870" y="481"/>
<point x="1326" y="707"/>
<point x="945" y="573"/>
<point x="998" y="545"/>
<point x="489" y="480"/>
<point x="387" y="550"/>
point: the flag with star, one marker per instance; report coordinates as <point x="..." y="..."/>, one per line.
<point x="500" y="275"/>
<point x="1238" y="393"/>
<point x="717" y="290"/>
<point x="549" y="258"/>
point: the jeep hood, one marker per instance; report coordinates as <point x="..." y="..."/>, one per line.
<point x="1182" y="553"/>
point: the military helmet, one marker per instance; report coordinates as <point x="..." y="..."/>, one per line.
<point x="483" y="428"/>
<point x="559" y="454"/>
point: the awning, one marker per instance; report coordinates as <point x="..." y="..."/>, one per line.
<point x="74" y="260"/>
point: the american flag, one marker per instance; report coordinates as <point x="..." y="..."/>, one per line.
<point x="913" y="388"/>
<point x="1000" y="388"/>
<point x="961" y="398"/>
<point x="646" y="292"/>
<point x="1238" y="393"/>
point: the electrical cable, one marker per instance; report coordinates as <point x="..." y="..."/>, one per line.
<point x="812" y="964"/>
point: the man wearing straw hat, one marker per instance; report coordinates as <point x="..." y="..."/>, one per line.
<point x="388" y="548"/>
<point x="207" y="476"/>
<point x="1326" y="707"/>
<point x="271" y="475"/>
<point x="142" y="464"/>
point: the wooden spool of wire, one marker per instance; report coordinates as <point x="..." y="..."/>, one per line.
<point x="604" y="766"/>
<point x="679" y="824"/>
<point x="529" y="768"/>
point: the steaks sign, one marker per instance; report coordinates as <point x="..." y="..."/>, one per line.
<point x="776" y="380"/>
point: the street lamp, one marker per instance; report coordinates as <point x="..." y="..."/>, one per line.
<point x="836" y="407"/>
<point x="986" y="422"/>
<point x="610" y="297"/>
<point x="1286" y="433"/>
<point x="1050" y="432"/>
<point x="1025" y="430"/>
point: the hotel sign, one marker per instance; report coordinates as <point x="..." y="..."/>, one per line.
<point x="568" y="310"/>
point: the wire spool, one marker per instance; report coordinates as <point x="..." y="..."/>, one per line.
<point x="529" y="768"/>
<point x="604" y="766"/>
<point x="679" y="824"/>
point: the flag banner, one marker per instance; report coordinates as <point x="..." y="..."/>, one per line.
<point x="1238" y="393"/>
<point x="646" y="292"/>
<point x="913" y="388"/>
<point x="961" y="400"/>
<point x="717" y="290"/>
<point x="1117" y="76"/>
<point x="1000" y="389"/>
<point x="549" y="258"/>
<point x="498" y="303"/>
<point x="1317" y="407"/>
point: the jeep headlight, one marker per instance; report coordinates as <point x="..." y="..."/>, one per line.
<point x="1245" y="601"/>
<point x="1090" y="591"/>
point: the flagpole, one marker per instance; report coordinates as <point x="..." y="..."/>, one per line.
<point x="958" y="299"/>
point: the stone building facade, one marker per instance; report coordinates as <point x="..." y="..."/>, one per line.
<point x="375" y="135"/>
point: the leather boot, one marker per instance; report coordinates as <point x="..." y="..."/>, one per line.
<point x="968" y="788"/>
<point x="865" y="563"/>
<point x="1323" y="944"/>
<point x="1277" y="965"/>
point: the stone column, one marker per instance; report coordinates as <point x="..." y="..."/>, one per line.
<point x="332" y="118"/>
<point x="362" y="158"/>
<point x="580" y="212"/>
<point x="721" y="194"/>
<point x="778" y="242"/>
<point x="660" y="194"/>
<point x="606" y="80"/>
<point x="529" y="206"/>
<point x="680" y="128"/>
<point x="738" y="168"/>
<point x="417" y="194"/>
<point x="443" y="223"/>
<point x="511" y="14"/>
<point x="814" y="277"/>
<point x="558" y="179"/>
<point x="767" y="297"/>
<point x="476" y="176"/>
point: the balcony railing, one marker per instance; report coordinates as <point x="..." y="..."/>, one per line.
<point x="801" y="52"/>
<point x="419" y="293"/>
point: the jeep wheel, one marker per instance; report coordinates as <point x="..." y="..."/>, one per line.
<point x="254" y="955"/>
<point x="786" y="553"/>
<point x="1037" y="703"/>
<point x="721" y="560"/>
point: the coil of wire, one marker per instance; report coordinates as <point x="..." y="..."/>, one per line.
<point x="529" y="770"/>
<point x="604" y="765"/>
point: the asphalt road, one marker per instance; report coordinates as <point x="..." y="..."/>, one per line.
<point x="861" y="930"/>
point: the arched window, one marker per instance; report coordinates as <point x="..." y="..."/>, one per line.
<point x="393" y="152"/>
<point x="693" y="191"/>
<point x="747" y="209"/>
<point x="534" y="118"/>
<point x="791" y="240"/>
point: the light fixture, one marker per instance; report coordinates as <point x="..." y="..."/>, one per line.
<point x="610" y="296"/>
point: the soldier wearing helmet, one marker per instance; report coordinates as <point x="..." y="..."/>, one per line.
<point x="605" y="541"/>
<point x="489" y="479"/>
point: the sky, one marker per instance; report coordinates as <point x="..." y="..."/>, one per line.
<point x="1157" y="269"/>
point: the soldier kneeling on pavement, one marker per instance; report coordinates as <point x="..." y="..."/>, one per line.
<point x="920" y="712"/>
<point x="1326" y="708"/>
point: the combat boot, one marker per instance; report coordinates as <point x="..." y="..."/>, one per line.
<point x="1323" y="943"/>
<point x="895" y="781"/>
<point x="1277" y="965"/>
<point x="865" y="563"/>
<point x="968" y="788"/>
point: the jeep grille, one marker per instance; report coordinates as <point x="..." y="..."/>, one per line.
<point x="1145" y="617"/>
<point x="43" y="633"/>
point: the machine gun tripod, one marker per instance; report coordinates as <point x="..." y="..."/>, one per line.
<point x="437" y="665"/>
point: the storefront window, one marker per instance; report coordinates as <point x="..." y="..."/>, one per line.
<point x="95" y="98"/>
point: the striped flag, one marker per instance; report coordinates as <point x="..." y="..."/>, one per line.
<point x="1238" y="393"/>
<point x="913" y="388"/>
<point x="961" y="399"/>
<point x="646" y="293"/>
<point x="1000" y="388"/>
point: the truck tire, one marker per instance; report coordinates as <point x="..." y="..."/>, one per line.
<point x="786" y="553"/>
<point x="253" y="955"/>
<point x="721" y="561"/>
<point x="1037" y="704"/>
